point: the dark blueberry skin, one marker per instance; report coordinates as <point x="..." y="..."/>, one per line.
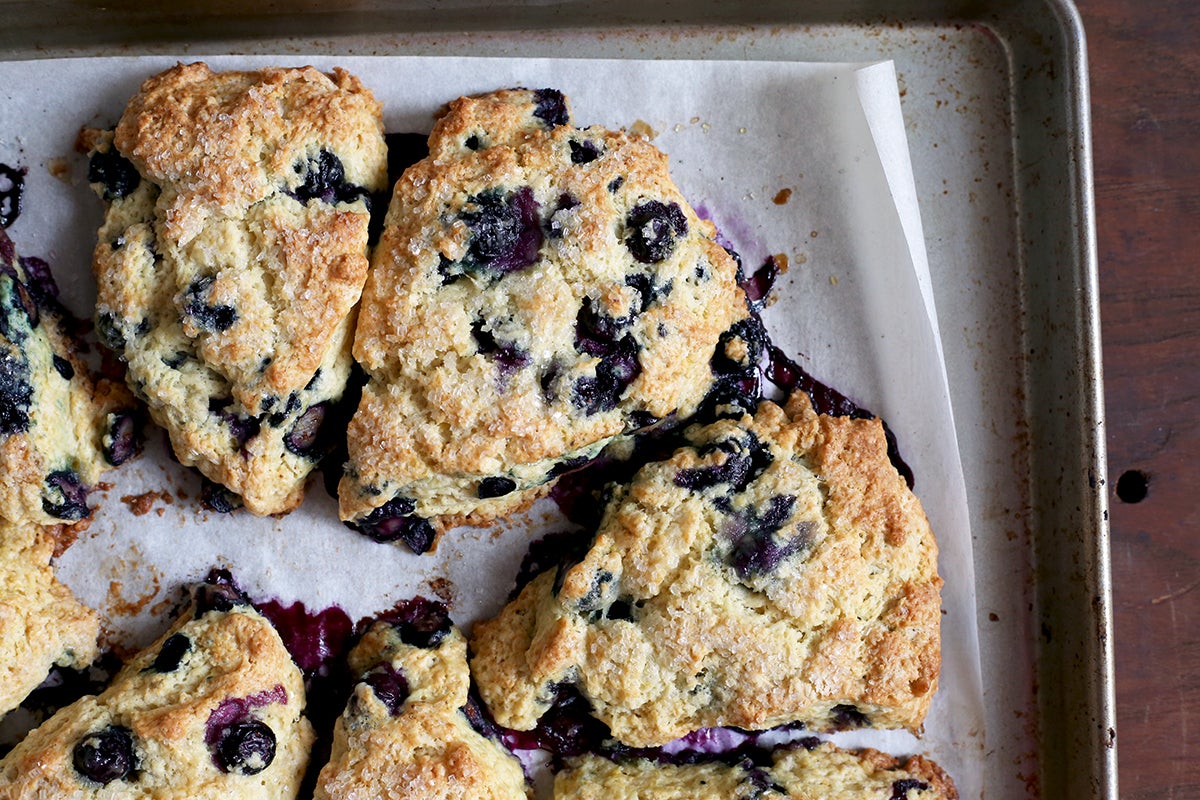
<point x="745" y="460"/>
<point x="219" y="593"/>
<point x="584" y="152"/>
<point x="171" y="654"/>
<point x="419" y="621"/>
<point x="393" y="521"/>
<point x="325" y="180"/>
<point x="389" y="685"/>
<point x="901" y="788"/>
<point x="653" y="228"/>
<point x="472" y="143"/>
<point x="16" y="395"/>
<point x="243" y="429"/>
<point x="506" y="231"/>
<point x="12" y="187"/>
<point x="551" y="107"/>
<point x="756" y="549"/>
<point x="478" y="717"/>
<point x="758" y="286"/>
<point x="105" y="756"/>
<point x="616" y="183"/>
<point x="508" y="357"/>
<point x="304" y="438"/>
<point x="110" y="335"/>
<point x="119" y="177"/>
<point x="216" y="497"/>
<point x="245" y="748"/>
<point x="847" y="716"/>
<point x="616" y="370"/>
<point x="496" y="487"/>
<point x="216" y="318"/>
<point x="124" y="440"/>
<point x="63" y="368"/>
<point x="65" y="496"/>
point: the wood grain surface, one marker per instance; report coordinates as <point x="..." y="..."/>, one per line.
<point x="1145" y="79"/>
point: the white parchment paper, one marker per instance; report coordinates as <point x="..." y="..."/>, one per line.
<point x="855" y="308"/>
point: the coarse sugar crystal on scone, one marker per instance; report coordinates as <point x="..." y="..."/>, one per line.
<point x="233" y="252"/>
<point x="213" y="709"/>
<point x="539" y="290"/>
<point x="60" y="426"/>
<point x="406" y="731"/>
<point x="807" y="770"/>
<point x="775" y="569"/>
<point x="41" y="623"/>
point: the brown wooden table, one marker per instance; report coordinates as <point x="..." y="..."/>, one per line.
<point x="1145" y="79"/>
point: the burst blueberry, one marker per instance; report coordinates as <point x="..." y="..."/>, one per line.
<point x="902" y="787"/>
<point x="324" y="179"/>
<point x="506" y="231"/>
<point x="393" y="521"/>
<point x="65" y="496"/>
<point x="584" y="151"/>
<point x="496" y="486"/>
<point x="16" y="395"/>
<point x="389" y="686"/>
<point x="210" y="317"/>
<point x="304" y="438"/>
<point x="616" y="370"/>
<point x="12" y="186"/>
<point x="653" y="229"/>
<point x="420" y="622"/>
<point x="551" y="107"/>
<point x="114" y="172"/>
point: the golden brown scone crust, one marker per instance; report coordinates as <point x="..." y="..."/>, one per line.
<point x="41" y="622"/>
<point x="228" y="266"/>
<point x="508" y="327"/>
<point x="778" y="569"/>
<point x="235" y="668"/>
<point x="823" y="772"/>
<point x="426" y="750"/>
<point x="55" y="414"/>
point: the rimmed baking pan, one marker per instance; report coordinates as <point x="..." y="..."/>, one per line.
<point x="995" y="101"/>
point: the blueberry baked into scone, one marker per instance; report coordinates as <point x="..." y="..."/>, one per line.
<point x="232" y="254"/>
<point x="60" y="427"/>
<point x="41" y="623"/>
<point x="807" y="770"/>
<point x="538" y="291"/>
<point x="775" y="569"/>
<point x="405" y="732"/>
<point x="212" y="709"/>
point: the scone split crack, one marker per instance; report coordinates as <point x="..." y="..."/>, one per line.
<point x="233" y="253"/>
<point x="539" y="290"/>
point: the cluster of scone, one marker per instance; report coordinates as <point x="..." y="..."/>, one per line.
<point x="539" y="292"/>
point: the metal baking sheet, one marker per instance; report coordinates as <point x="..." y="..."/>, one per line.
<point x="995" y="100"/>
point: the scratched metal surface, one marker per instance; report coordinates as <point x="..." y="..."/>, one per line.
<point x="995" y="100"/>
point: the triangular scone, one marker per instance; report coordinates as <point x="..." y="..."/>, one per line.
<point x="233" y="251"/>
<point x="213" y="709"/>
<point x="405" y="733"/>
<point x="41" y="623"/>
<point x="776" y="569"/>
<point x="538" y="290"/>
<point x="60" y="427"/>
<point x="804" y="771"/>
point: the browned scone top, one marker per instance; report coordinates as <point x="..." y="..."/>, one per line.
<point x="805" y="771"/>
<point x="538" y="290"/>
<point x="213" y="709"/>
<point x="776" y="569"/>
<point x="41" y="622"/>
<point x="233" y="252"/>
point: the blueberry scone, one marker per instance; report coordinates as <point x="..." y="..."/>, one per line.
<point x="405" y="733"/>
<point x="232" y="254"/>
<point x="60" y="428"/>
<point x="775" y="569"/>
<point x="808" y="771"/>
<point x="212" y="709"/>
<point x="538" y="290"/>
<point x="41" y="623"/>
